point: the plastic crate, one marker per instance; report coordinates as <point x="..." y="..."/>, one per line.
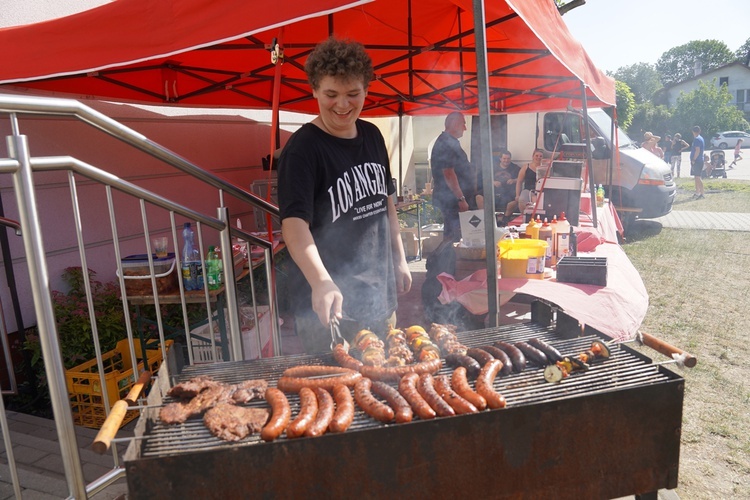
<point x="583" y="270"/>
<point x="84" y="385"/>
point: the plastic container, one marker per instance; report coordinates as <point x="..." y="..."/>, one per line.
<point x="138" y="276"/>
<point x="583" y="270"/>
<point x="213" y="269"/>
<point x="562" y="238"/>
<point x="521" y="258"/>
<point x="532" y="230"/>
<point x="545" y="234"/>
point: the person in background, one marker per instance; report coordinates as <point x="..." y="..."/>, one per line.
<point x="526" y="182"/>
<point x="666" y="147"/>
<point x="676" y="149"/>
<point x="696" y="161"/>
<point x="505" y="178"/>
<point x="651" y="143"/>
<point x="337" y="214"/>
<point x="454" y="182"/>
<point x="737" y="153"/>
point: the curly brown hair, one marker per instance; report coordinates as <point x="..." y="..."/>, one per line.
<point x="345" y="59"/>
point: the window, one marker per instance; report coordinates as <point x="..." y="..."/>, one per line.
<point x="740" y="96"/>
<point x="723" y="81"/>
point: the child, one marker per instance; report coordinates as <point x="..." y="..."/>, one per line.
<point x="737" y="153"/>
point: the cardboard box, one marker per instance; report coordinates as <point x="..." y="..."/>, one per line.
<point x="410" y="240"/>
<point x="472" y="227"/>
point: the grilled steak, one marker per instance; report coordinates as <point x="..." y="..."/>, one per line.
<point x="212" y="394"/>
<point x="191" y="388"/>
<point x="233" y="423"/>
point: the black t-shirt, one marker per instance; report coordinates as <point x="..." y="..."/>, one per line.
<point x="341" y="188"/>
<point x="447" y="153"/>
<point x="503" y="175"/>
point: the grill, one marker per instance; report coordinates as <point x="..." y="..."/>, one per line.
<point x="609" y="432"/>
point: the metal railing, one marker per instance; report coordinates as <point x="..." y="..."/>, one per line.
<point x="22" y="167"/>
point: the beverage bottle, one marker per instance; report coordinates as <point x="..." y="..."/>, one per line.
<point x="192" y="268"/>
<point x="600" y="196"/>
<point x="553" y="246"/>
<point x="562" y="239"/>
<point x="212" y="269"/>
<point x="545" y="234"/>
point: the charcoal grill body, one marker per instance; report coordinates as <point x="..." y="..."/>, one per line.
<point x="603" y="444"/>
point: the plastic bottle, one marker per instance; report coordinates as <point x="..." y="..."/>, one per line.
<point x="562" y="239"/>
<point x="553" y="245"/>
<point x="545" y="234"/>
<point x="192" y="268"/>
<point x="600" y="196"/>
<point x="213" y="271"/>
<point x="532" y="230"/>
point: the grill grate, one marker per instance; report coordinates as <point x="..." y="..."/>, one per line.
<point x="624" y="369"/>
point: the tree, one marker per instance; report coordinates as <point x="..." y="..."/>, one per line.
<point x="707" y="106"/>
<point x="625" y="104"/>
<point x="743" y="53"/>
<point x="678" y="63"/>
<point x="650" y="118"/>
<point x="642" y="78"/>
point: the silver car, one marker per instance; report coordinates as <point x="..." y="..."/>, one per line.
<point x="728" y="139"/>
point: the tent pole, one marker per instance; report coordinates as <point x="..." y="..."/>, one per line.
<point x="401" y="150"/>
<point x="485" y="144"/>
<point x="589" y="160"/>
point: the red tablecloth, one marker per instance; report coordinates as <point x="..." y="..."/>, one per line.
<point x="616" y="310"/>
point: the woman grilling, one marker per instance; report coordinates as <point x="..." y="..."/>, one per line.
<point x="337" y="216"/>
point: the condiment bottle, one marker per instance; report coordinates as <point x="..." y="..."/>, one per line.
<point x="553" y="245"/>
<point x="600" y="196"/>
<point x="545" y="234"/>
<point x="562" y="239"/>
<point x="532" y="229"/>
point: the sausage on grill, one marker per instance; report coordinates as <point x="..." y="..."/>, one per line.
<point x="460" y="384"/>
<point x="514" y="353"/>
<point x="344" y="414"/>
<point x="484" y="384"/>
<point x="532" y="353"/>
<point x="407" y="386"/>
<point x="460" y="405"/>
<point x="364" y="398"/>
<point x="308" y="409"/>
<point x="553" y="355"/>
<point x="325" y="414"/>
<point x="500" y="354"/>
<point x="426" y="387"/>
<point x="401" y="409"/>
<point x="471" y="364"/>
<point x="280" y="416"/>
<point x="483" y="357"/>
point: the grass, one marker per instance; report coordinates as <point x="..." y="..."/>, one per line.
<point x="699" y="290"/>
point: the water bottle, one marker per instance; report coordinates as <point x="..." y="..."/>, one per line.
<point x="213" y="269"/>
<point x="192" y="268"/>
<point x="600" y="196"/>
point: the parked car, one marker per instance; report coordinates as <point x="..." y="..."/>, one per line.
<point x="728" y="139"/>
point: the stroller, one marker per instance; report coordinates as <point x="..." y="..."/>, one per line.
<point x="716" y="167"/>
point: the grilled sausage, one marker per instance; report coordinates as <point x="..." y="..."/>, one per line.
<point x="426" y="387"/>
<point x="484" y="384"/>
<point x="395" y="373"/>
<point x="471" y="364"/>
<point x="516" y="356"/>
<point x="281" y="413"/>
<point x="500" y="354"/>
<point x="364" y="398"/>
<point x="319" y="426"/>
<point x="553" y="355"/>
<point x="343" y="358"/>
<point x="460" y="405"/>
<point x="407" y="387"/>
<point x="401" y="409"/>
<point x="308" y="409"/>
<point x="483" y="357"/>
<point x="460" y="384"/>
<point x="532" y="353"/>
<point x="344" y="414"/>
<point x="293" y="379"/>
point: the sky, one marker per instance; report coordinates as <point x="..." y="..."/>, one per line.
<point x="618" y="33"/>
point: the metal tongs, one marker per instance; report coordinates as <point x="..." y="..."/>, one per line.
<point x="336" y="337"/>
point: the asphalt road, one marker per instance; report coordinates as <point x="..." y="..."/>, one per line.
<point x="741" y="171"/>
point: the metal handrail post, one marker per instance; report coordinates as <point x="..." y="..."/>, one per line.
<point x="43" y="306"/>
<point x="233" y="311"/>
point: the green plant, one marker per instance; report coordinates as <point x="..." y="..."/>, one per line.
<point x="74" y="328"/>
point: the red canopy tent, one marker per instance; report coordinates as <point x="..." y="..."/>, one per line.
<point x="217" y="54"/>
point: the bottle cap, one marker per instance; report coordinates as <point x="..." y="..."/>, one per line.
<point x="211" y="248"/>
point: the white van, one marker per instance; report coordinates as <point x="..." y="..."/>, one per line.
<point x="640" y="182"/>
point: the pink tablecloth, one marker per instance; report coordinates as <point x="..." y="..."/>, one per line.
<point x="616" y="310"/>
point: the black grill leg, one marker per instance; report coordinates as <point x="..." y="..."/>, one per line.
<point x="651" y="495"/>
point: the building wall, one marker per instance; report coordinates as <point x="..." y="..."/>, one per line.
<point x="738" y="79"/>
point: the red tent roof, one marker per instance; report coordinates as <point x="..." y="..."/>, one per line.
<point x="215" y="53"/>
